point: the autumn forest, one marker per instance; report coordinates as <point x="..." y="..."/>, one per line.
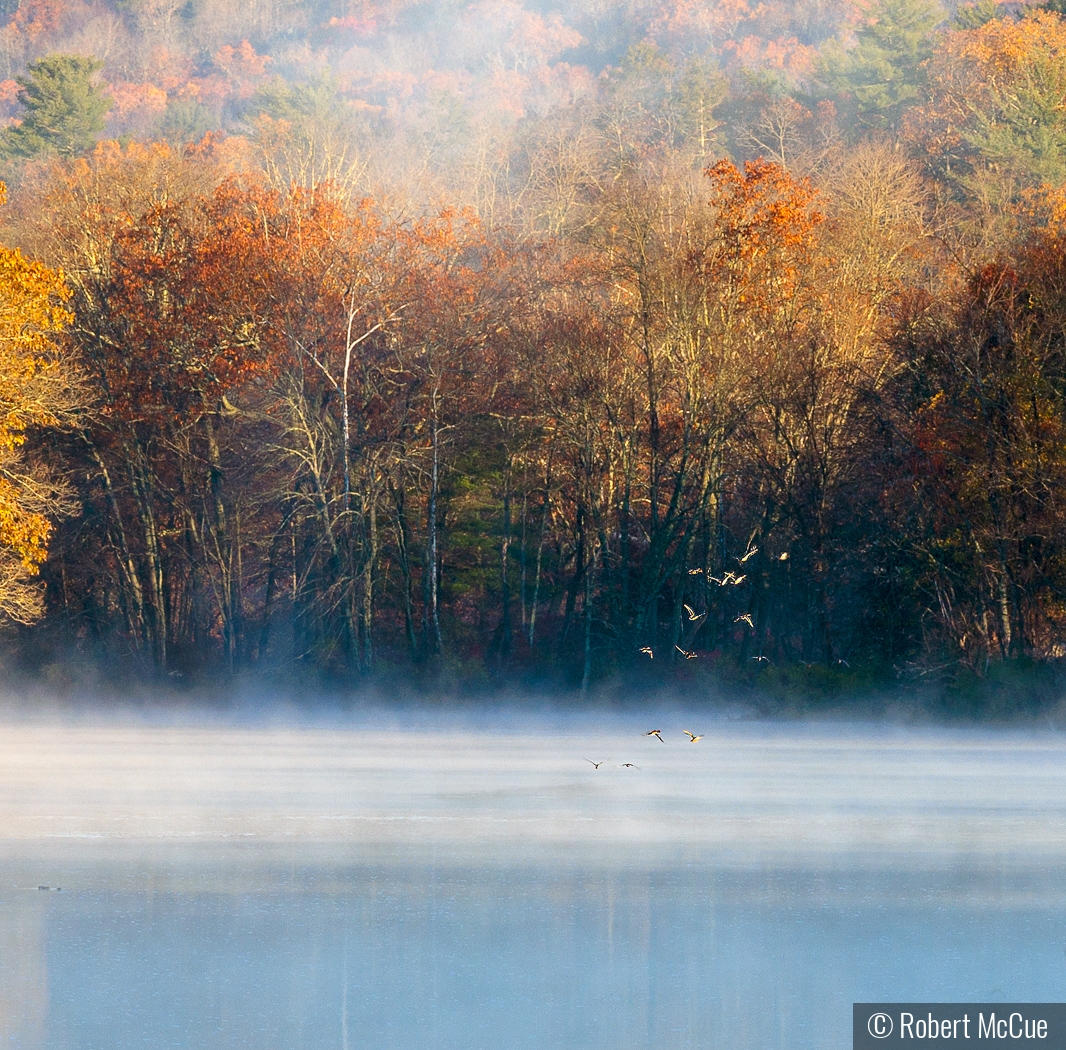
<point x="653" y="342"/>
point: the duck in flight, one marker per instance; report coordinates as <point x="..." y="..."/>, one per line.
<point x="751" y="551"/>
<point x="692" y="614"/>
<point x="628" y="765"/>
<point x="648" y="652"/>
<point x="693" y="736"/>
<point x="685" y="653"/>
<point x="657" y="734"/>
<point x="746" y="618"/>
<point x="596" y="765"/>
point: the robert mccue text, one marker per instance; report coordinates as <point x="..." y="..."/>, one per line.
<point x="977" y="1025"/>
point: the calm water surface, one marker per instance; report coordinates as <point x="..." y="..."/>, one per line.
<point x="468" y="886"/>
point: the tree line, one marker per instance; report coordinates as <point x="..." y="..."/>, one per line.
<point x="633" y="408"/>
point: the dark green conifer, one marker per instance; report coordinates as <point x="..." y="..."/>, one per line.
<point x="974" y="15"/>
<point x="64" y="107"/>
<point x="882" y="73"/>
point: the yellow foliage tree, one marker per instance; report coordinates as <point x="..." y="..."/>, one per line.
<point x="38" y="389"/>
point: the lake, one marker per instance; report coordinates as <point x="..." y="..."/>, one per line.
<point x="472" y="881"/>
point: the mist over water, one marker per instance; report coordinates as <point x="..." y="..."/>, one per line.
<point x="468" y="880"/>
<point x="508" y="785"/>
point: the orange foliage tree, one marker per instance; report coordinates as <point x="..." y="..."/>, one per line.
<point x="994" y="97"/>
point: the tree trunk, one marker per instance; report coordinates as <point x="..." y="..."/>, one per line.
<point x="540" y="552"/>
<point x="370" y="560"/>
<point x="431" y="636"/>
<point x="505" y="582"/>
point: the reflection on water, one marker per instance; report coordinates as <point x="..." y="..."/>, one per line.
<point x="468" y="901"/>
<point x="23" y="972"/>
<point x="445" y="956"/>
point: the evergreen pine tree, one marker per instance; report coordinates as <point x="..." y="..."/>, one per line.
<point x="64" y="108"/>
<point x="882" y="73"/>
<point x="979" y="13"/>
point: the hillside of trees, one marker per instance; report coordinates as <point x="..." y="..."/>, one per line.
<point x="630" y="342"/>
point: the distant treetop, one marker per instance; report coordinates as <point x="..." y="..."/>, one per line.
<point x="64" y="107"/>
<point x="883" y="73"/>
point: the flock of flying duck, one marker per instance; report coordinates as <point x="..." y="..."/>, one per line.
<point x="694" y="617"/>
<point x="727" y="579"/>
<point x="658" y="734"/>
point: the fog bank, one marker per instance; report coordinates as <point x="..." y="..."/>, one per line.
<point x="746" y="790"/>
